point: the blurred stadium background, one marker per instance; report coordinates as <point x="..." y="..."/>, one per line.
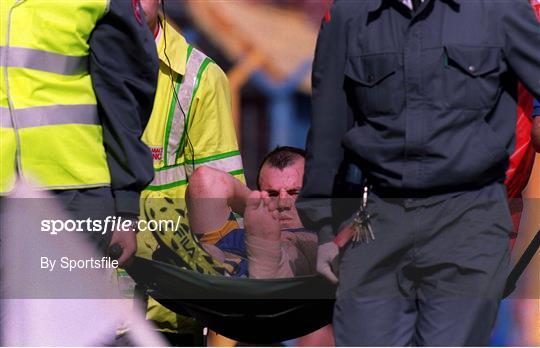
<point x="266" y="48"/>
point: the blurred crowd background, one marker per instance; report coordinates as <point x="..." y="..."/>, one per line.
<point x="266" y="48"/>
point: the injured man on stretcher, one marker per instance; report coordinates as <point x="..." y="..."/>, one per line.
<point x="271" y="242"/>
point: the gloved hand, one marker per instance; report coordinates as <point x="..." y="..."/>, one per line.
<point x="327" y="260"/>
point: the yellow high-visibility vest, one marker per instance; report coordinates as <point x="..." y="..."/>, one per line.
<point x="191" y="125"/>
<point x="50" y="131"/>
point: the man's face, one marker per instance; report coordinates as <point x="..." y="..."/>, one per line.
<point x="284" y="185"/>
<point x="151" y="10"/>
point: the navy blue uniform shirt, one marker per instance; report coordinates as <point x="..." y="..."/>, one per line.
<point x="425" y="101"/>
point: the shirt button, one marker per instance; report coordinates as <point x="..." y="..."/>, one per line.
<point x="472" y="68"/>
<point x="370" y="78"/>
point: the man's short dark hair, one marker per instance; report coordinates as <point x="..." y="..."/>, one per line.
<point x="281" y="157"/>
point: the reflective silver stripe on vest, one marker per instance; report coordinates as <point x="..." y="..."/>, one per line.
<point x="5" y="118"/>
<point x="55" y="115"/>
<point x="178" y="173"/>
<point x="169" y="176"/>
<point x="21" y="57"/>
<point x="185" y="94"/>
<point x="50" y="115"/>
<point x="227" y="164"/>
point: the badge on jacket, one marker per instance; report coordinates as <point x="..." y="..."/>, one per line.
<point x="157" y="153"/>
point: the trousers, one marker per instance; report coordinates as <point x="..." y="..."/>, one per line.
<point x="433" y="276"/>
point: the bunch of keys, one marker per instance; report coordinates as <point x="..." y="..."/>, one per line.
<point x="362" y="231"/>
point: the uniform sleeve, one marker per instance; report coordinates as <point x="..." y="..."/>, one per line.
<point x="331" y="118"/>
<point x="536" y="108"/>
<point x="535" y="132"/>
<point x="124" y="68"/>
<point x="211" y="137"/>
<point x="522" y="43"/>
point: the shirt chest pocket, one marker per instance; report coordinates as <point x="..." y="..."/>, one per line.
<point x="376" y="83"/>
<point x="472" y="76"/>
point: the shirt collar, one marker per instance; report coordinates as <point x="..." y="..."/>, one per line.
<point x="408" y="3"/>
<point x="177" y="48"/>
